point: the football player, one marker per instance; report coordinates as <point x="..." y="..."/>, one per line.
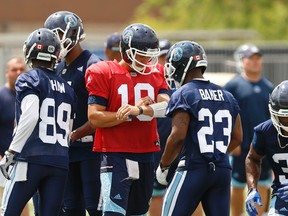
<point x="37" y="158"/>
<point x="251" y="89"/>
<point x="83" y="185"/>
<point x="206" y="125"/>
<point x="270" y="141"/>
<point x="124" y="99"/>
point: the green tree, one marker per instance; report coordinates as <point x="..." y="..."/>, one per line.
<point x="267" y="17"/>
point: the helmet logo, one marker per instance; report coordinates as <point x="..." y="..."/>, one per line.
<point x="71" y="19"/>
<point x="39" y="46"/>
<point x="177" y="54"/>
<point x="51" y="49"/>
<point x="127" y="36"/>
<point x="197" y="57"/>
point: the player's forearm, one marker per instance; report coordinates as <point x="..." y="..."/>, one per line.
<point x="172" y="149"/>
<point x="103" y="119"/>
<point x="253" y="170"/>
<point x="237" y="136"/>
<point x="176" y="139"/>
<point x="82" y="131"/>
<point x="154" y="109"/>
<point x="234" y="145"/>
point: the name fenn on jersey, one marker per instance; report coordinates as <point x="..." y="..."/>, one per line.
<point x="57" y="86"/>
<point x="210" y="94"/>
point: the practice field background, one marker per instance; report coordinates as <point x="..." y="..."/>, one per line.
<point x="219" y="54"/>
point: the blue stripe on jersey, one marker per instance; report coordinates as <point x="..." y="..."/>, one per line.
<point x="163" y="91"/>
<point x="97" y="100"/>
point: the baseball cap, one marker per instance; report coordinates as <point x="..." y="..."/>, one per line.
<point x="247" y="50"/>
<point x="164" y="46"/>
<point x="113" y="41"/>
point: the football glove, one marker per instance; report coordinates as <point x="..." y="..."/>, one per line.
<point x="161" y="175"/>
<point x="6" y="162"/>
<point x="282" y="192"/>
<point x="252" y="198"/>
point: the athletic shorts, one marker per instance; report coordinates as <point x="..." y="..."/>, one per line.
<point x="239" y="175"/>
<point x="188" y="188"/>
<point x="126" y="185"/>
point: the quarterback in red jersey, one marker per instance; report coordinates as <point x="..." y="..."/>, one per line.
<point x="124" y="99"/>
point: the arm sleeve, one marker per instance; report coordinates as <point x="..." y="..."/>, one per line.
<point x="96" y="80"/>
<point x="258" y="141"/>
<point x="27" y="122"/>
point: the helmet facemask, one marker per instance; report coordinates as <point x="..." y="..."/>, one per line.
<point x="278" y="108"/>
<point x="170" y="70"/>
<point x="137" y="65"/>
<point x="67" y="43"/>
<point x="276" y="121"/>
<point x="278" y="125"/>
<point x="139" y="47"/>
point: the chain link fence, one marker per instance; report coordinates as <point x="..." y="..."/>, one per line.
<point x="220" y="56"/>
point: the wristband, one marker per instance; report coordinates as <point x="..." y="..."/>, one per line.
<point x="164" y="168"/>
<point x="251" y="189"/>
<point x="140" y="110"/>
<point x="159" y="109"/>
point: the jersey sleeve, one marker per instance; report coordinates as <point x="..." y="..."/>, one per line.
<point x="27" y="83"/>
<point x="258" y="140"/>
<point x="97" y="80"/>
<point x="164" y="86"/>
<point x="176" y="102"/>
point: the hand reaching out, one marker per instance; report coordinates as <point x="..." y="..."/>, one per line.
<point x="252" y="198"/>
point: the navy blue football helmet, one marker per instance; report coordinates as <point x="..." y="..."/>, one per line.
<point x="42" y="44"/>
<point x="68" y="26"/>
<point x="141" y="40"/>
<point x="278" y="106"/>
<point x="182" y="57"/>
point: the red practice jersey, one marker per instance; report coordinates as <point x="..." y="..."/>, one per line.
<point x="118" y="86"/>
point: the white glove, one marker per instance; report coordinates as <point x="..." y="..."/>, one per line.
<point x="161" y="175"/>
<point x="251" y="200"/>
<point x="6" y="162"/>
<point x="282" y="192"/>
